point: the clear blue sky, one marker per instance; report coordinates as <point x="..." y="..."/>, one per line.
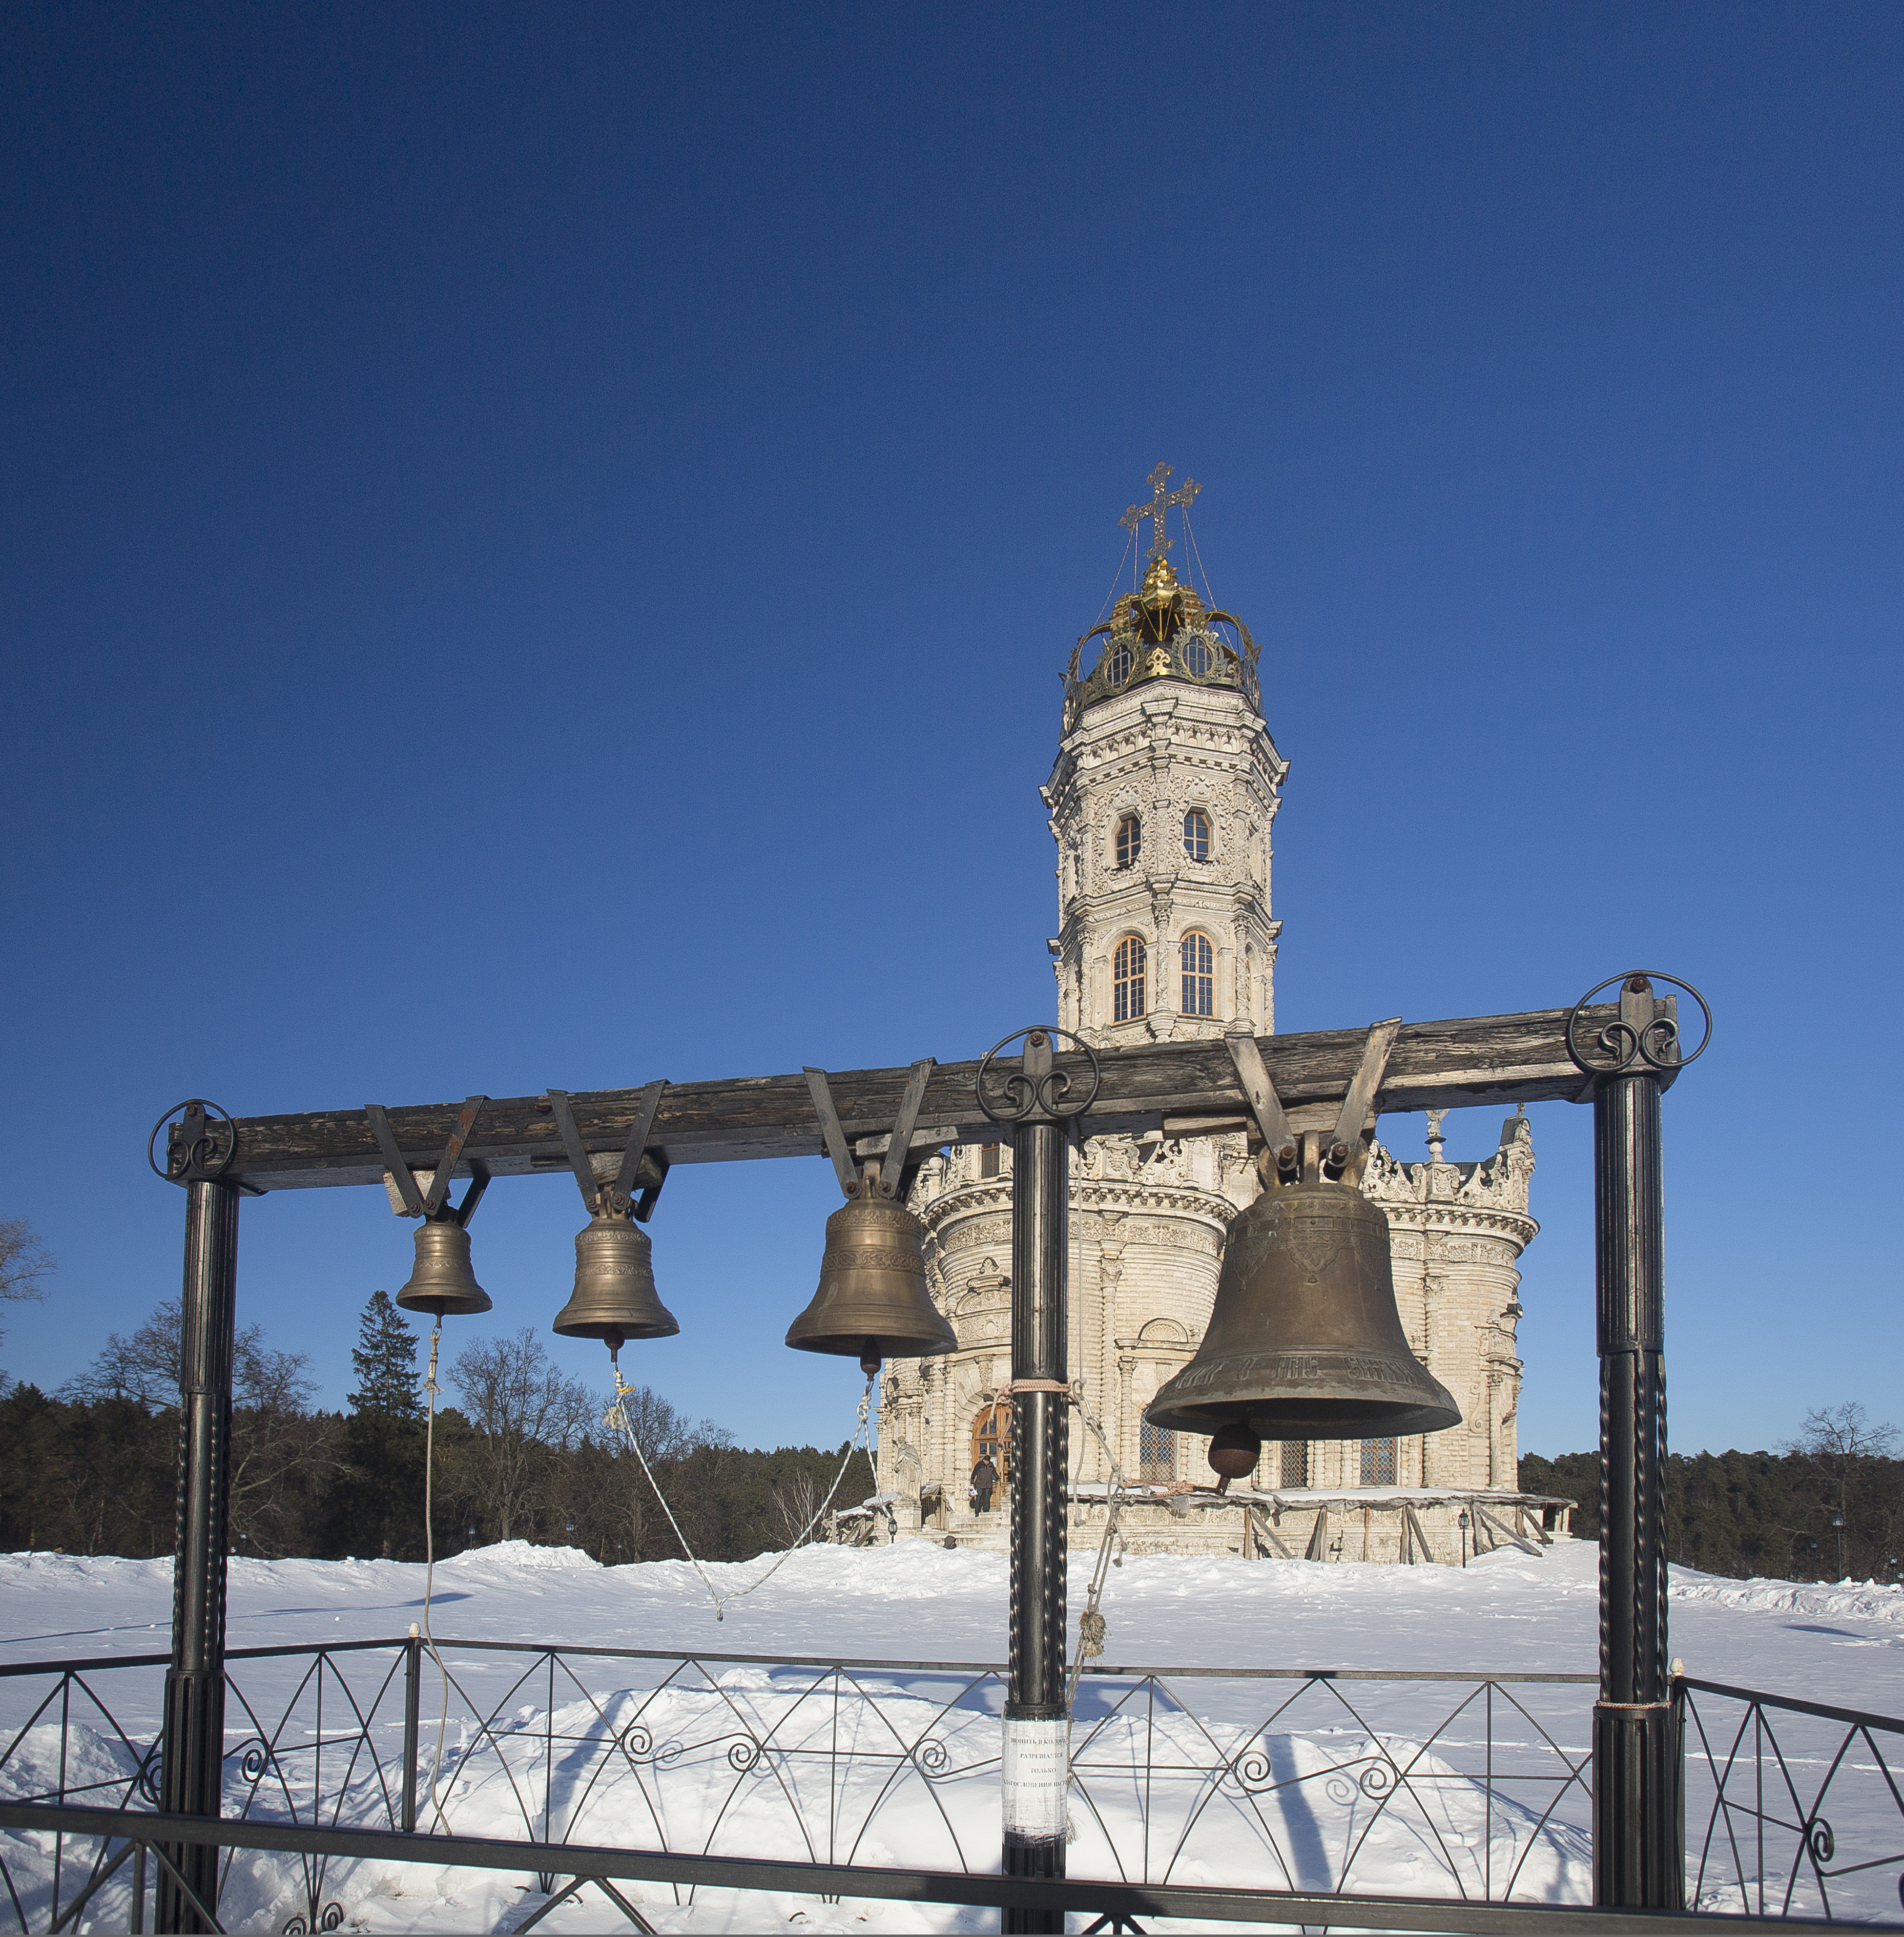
<point x="539" y="542"/>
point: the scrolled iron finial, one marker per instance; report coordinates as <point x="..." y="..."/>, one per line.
<point x="1046" y="1092"/>
<point x="203" y="1150"/>
<point x="1625" y="1043"/>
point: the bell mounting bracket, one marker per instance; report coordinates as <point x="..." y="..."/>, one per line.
<point x="897" y="1165"/>
<point x="617" y="1197"/>
<point x="434" y="1204"/>
<point x="1339" y="1155"/>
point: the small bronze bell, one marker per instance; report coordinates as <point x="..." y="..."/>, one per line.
<point x="1304" y="1340"/>
<point x="443" y="1283"/>
<point x="872" y="1303"/>
<point x="614" y="1299"/>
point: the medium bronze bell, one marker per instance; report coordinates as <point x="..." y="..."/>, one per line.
<point x="614" y="1298"/>
<point x="872" y="1303"/>
<point x="443" y="1283"/>
<point x="1304" y="1340"/>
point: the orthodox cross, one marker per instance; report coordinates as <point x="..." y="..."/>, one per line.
<point x="1161" y="501"/>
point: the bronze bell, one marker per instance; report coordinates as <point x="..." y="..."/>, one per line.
<point x="1304" y="1340"/>
<point x="872" y="1303"/>
<point x="443" y="1283"/>
<point x="614" y="1297"/>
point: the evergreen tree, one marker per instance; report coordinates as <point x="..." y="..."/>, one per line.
<point x="378" y="1508"/>
<point x="384" y="1358"/>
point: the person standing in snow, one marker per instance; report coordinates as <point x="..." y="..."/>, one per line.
<point x="984" y="1477"/>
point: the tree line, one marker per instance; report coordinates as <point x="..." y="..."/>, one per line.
<point x="1829" y="1504"/>
<point x="521" y="1452"/>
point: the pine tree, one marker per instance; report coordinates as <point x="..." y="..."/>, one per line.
<point x="379" y="1508"/>
<point x="384" y="1358"/>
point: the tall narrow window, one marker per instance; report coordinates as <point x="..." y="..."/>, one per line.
<point x="1196" y="835"/>
<point x="988" y="1160"/>
<point x="1200" y="976"/>
<point x="1130" y="840"/>
<point x="1157" y="1453"/>
<point x="1295" y="1465"/>
<point x="1378" y="1463"/>
<point x="1127" y="1000"/>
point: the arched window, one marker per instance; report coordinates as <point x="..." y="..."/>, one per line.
<point x="1196" y="835"/>
<point x="1127" y="988"/>
<point x="1378" y="1463"/>
<point x="1130" y="840"/>
<point x="1157" y="1453"/>
<point x="1117" y="663"/>
<point x="1198" y="657"/>
<point x="1199" y="975"/>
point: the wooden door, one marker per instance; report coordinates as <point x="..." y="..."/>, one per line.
<point x="991" y="1437"/>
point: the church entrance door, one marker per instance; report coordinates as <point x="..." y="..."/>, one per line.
<point x="991" y="1438"/>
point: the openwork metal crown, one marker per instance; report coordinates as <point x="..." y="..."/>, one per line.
<point x="198" y="1148"/>
<point x="1036" y="1087"/>
<point x="1641" y="1037"/>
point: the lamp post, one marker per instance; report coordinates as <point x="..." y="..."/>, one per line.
<point x="1629" y="1059"/>
<point x="1463" y="1523"/>
<point x="1837" y="1527"/>
<point x="469" y="1538"/>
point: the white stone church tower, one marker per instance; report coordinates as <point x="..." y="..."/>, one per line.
<point x="1162" y="802"/>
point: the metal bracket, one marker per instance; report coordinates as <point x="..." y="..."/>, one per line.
<point x="199" y="1149"/>
<point x="1266" y="1106"/>
<point x="895" y="1164"/>
<point x="432" y="1204"/>
<point x="620" y="1194"/>
<point x="1348" y="1154"/>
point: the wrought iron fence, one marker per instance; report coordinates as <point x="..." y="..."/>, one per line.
<point x="1472" y="1788"/>
<point x="1793" y="1808"/>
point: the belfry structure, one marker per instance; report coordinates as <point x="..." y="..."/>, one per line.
<point x="1163" y="803"/>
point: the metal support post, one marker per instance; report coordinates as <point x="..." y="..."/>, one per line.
<point x="413" y="1690"/>
<point x="1038" y="1100"/>
<point x="193" y="1769"/>
<point x="1638" y="1861"/>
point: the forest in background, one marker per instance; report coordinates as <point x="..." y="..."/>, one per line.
<point x="1779" y="1515"/>
<point x="521" y="1453"/>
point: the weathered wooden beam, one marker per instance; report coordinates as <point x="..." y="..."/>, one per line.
<point x="1180" y="1088"/>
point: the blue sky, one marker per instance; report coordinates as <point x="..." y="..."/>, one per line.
<point x="538" y="545"/>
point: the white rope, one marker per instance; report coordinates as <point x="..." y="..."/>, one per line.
<point x="1091" y="1623"/>
<point x="430" y="1570"/>
<point x="616" y="1419"/>
<point x="1115" y="576"/>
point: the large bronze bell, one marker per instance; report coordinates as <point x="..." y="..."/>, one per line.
<point x="872" y="1303"/>
<point x="614" y="1299"/>
<point x="1304" y="1340"/>
<point x="443" y="1283"/>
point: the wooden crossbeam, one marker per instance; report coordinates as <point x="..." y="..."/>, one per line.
<point x="1182" y="1088"/>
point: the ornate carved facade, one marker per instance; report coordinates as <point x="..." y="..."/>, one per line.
<point x="1162" y="803"/>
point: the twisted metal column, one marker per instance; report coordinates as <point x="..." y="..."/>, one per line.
<point x="1037" y="1099"/>
<point x="192" y="1768"/>
<point x="1638" y="1861"/>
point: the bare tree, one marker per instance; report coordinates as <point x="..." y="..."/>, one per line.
<point x="278" y="1447"/>
<point x="792" y="1506"/>
<point x="145" y="1367"/>
<point x="24" y="1261"/>
<point x="522" y="1407"/>
<point x="1839" y="1440"/>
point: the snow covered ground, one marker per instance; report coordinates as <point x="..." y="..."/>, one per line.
<point x="631" y="1752"/>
